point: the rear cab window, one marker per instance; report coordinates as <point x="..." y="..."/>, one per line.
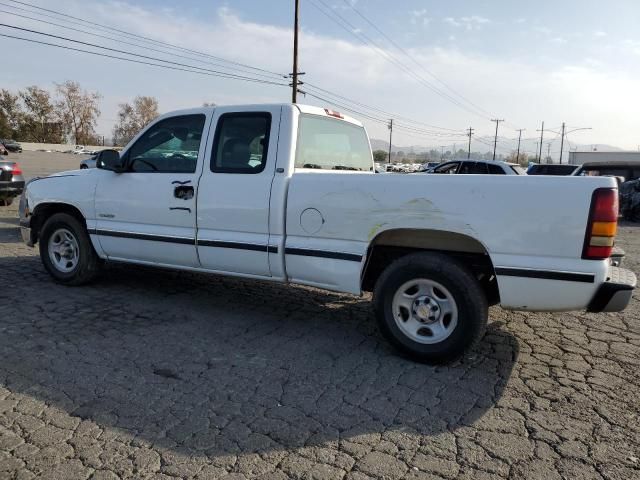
<point x="241" y="142"/>
<point x="326" y="143"/>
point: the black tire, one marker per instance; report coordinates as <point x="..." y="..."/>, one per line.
<point x="5" y="202"/>
<point x="88" y="263"/>
<point x="469" y="298"/>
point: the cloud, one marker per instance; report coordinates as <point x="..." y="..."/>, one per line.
<point x="632" y="45"/>
<point x="518" y="90"/>
<point x="420" y="17"/>
<point x="520" y="20"/>
<point x="600" y="34"/>
<point x="474" y="22"/>
<point x="559" y="40"/>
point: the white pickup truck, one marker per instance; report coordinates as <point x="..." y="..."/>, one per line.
<point x="287" y="193"/>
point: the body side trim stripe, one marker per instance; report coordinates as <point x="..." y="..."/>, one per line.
<point x="323" y="254"/>
<point x="185" y="241"/>
<point x="546" y="274"/>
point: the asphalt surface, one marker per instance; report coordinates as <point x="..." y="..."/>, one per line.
<point x="156" y="374"/>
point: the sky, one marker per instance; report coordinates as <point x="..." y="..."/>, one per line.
<point x="436" y="67"/>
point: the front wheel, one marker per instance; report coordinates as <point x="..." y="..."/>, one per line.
<point x="430" y="307"/>
<point x="66" y="250"/>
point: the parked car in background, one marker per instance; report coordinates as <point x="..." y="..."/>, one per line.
<point x="11" y="182"/>
<point x="551" y="169"/>
<point x="428" y="166"/>
<point x="478" y="167"/>
<point x="11" y="145"/>
<point x="88" y="162"/>
<point x="624" y="170"/>
<point x="286" y="193"/>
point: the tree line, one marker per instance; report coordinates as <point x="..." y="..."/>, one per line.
<point x="68" y="115"/>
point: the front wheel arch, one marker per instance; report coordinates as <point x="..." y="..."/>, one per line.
<point x="44" y="211"/>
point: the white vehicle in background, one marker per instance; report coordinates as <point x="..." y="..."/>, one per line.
<point x="88" y="162"/>
<point x="286" y="193"/>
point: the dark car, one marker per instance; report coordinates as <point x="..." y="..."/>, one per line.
<point x="551" y="169"/>
<point x="11" y="182"/>
<point x="12" y="145"/>
<point x="482" y="167"/>
<point x="624" y="170"/>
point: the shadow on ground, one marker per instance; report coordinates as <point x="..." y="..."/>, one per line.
<point x="209" y="366"/>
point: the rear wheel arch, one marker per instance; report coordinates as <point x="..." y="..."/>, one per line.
<point x="391" y="245"/>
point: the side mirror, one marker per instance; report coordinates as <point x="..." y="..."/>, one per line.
<point x="109" y="160"/>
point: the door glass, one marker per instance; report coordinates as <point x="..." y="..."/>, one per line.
<point x="241" y="142"/>
<point x="169" y="146"/>
<point x="495" y="169"/>
<point x="447" y="168"/>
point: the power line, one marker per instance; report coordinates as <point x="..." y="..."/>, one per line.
<point x="411" y="57"/>
<point x="146" y="47"/>
<point x="131" y="60"/>
<point x="146" y="39"/>
<point x="352" y="30"/>
<point x="67" y="39"/>
<point x="241" y="69"/>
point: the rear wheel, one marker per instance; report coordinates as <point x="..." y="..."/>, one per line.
<point x="430" y="307"/>
<point x="66" y="250"/>
<point x="6" y="202"/>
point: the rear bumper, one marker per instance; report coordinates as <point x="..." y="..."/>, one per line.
<point x="614" y="294"/>
<point x="11" y="189"/>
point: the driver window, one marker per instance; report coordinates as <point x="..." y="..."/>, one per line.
<point x="169" y="146"/>
<point x="241" y="142"/>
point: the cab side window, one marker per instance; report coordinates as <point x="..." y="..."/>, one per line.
<point x="241" y="143"/>
<point x="169" y="146"/>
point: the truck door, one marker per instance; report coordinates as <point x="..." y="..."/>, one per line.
<point x="234" y="191"/>
<point x="148" y="212"/>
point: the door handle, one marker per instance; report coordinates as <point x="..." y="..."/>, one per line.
<point x="183" y="192"/>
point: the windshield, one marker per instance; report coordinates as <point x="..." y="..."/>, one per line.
<point x="332" y="144"/>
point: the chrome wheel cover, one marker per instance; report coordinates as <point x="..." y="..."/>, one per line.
<point x="425" y="311"/>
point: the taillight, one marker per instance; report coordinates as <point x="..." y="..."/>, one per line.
<point x="16" y="170"/>
<point x="602" y="225"/>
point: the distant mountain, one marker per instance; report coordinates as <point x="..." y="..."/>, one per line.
<point x="528" y="146"/>
<point x="384" y="145"/>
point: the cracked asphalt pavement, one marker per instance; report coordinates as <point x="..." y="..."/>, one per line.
<point x="157" y="374"/>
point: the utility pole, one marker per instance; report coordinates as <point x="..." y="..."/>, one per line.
<point x="541" y="138"/>
<point x="495" y="141"/>
<point x="519" y="138"/>
<point x="548" y="152"/>
<point x="469" y="151"/>
<point x="537" y="150"/>
<point x="294" y="93"/>
<point x="390" y="126"/>
<point x="561" y="142"/>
